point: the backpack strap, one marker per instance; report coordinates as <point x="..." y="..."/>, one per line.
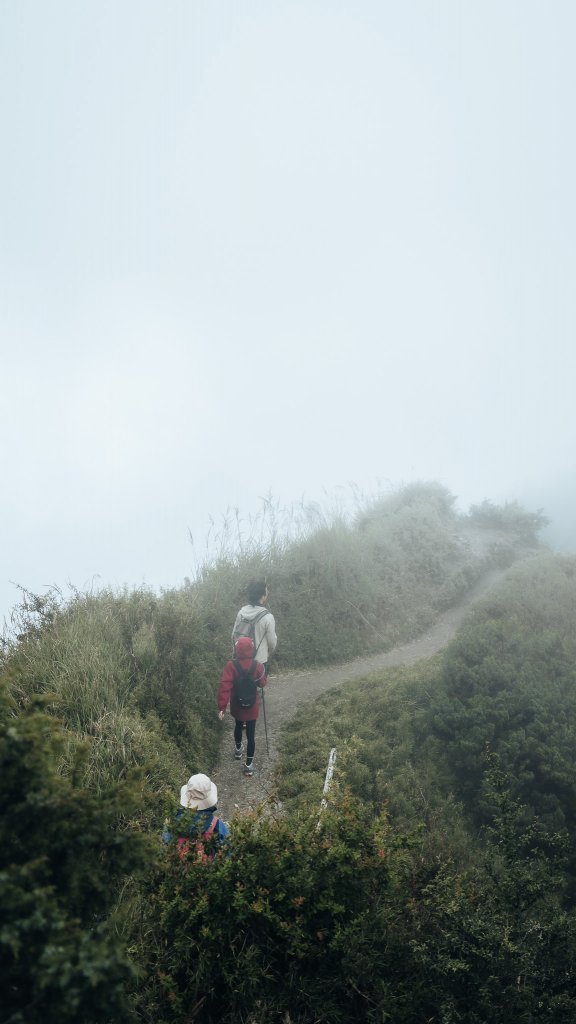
<point x="211" y="827"/>
<point x="247" y="672"/>
<point x="258" y="618"/>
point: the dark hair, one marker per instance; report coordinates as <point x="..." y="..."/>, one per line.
<point x="256" y="590"/>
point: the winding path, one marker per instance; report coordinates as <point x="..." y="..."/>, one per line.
<point x="286" y="692"/>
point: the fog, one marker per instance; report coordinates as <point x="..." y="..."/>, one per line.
<point x="253" y="249"/>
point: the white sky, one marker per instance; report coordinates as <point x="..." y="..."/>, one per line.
<point x="276" y="247"/>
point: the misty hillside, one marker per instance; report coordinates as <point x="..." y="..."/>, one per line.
<point x="108" y="705"/>
<point x="559" y="496"/>
<point x="135" y="672"/>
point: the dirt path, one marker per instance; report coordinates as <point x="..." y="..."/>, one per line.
<point x="285" y="693"/>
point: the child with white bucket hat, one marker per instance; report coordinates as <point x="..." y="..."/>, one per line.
<point x="199" y="795"/>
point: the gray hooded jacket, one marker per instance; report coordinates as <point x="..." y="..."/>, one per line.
<point x="265" y="638"/>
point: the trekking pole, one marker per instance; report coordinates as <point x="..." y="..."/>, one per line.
<point x="264" y="713"/>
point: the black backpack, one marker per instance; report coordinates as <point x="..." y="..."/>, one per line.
<point x="245" y="684"/>
<point x="247" y="627"/>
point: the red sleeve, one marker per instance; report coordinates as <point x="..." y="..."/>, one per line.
<point x="225" y="686"/>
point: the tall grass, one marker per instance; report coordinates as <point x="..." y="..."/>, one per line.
<point x="73" y="655"/>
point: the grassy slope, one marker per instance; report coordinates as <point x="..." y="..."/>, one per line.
<point x="135" y="672"/>
<point x="421" y="741"/>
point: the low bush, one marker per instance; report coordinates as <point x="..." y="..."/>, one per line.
<point x="522" y="525"/>
<point x="290" y="922"/>
<point x="64" y="852"/>
<point x="347" y="918"/>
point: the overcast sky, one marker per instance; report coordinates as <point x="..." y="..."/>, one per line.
<point x="253" y="248"/>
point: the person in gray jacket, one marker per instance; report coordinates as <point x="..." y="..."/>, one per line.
<point x="256" y="621"/>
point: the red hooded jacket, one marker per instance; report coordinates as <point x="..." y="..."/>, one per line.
<point x="244" y="651"/>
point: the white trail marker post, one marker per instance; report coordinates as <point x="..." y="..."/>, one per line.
<point x="327" y="783"/>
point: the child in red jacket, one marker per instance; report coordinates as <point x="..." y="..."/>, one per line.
<point x="239" y="684"/>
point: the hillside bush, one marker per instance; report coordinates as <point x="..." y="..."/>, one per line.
<point x="356" y="920"/>
<point x="374" y="723"/>
<point x="522" y="525"/>
<point x="63" y="854"/>
<point x="494" y="943"/>
<point x="290" y="922"/>
<point x="506" y="686"/>
<point x="509" y="681"/>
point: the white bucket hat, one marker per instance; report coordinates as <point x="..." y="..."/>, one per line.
<point x="199" y="792"/>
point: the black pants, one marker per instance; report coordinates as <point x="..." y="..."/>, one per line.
<point x="250" y="736"/>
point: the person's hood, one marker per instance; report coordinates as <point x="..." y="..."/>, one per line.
<point x="252" y="611"/>
<point x="244" y="651"/>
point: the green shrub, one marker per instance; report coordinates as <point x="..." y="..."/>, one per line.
<point x="355" y="920"/>
<point x="509" y="681"/>
<point x="291" y="921"/>
<point x="522" y="525"/>
<point x="63" y="854"/>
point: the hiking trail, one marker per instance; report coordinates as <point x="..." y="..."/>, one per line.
<point x="287" y="691"/>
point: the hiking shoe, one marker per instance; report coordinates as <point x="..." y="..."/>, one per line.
<point x="249" y="768"/>
<point x="238" y="752"/>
